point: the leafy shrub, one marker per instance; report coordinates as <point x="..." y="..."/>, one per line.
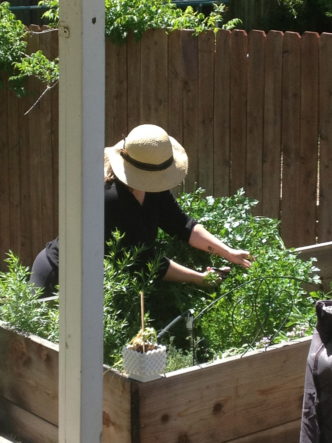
<point x="124" y="17"/>
<point x="251" y="308"/>
<point x="13" y="57"/>
<point x="20" y="305"/>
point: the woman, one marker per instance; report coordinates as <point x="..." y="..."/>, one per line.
<point x="139" y="172"/>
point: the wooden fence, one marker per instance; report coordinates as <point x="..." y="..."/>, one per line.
<point x="252" y="110"/>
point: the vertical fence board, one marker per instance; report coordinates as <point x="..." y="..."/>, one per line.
<point x="154" y="81"/>
<point x="134" y="81"/>
<point x="291" y="106"/>
<point x="205" y="121"/>
<point x="255" y="112"/>
<point x="239" y="62"/>
<point x="325" y="105"/>
<point x="4" y="173"/>
<point x="307" y="173"/>
<point x="34" y="121"/>
<point x="15" y="227"/>
<point x="175" y="85"/>
<point x="272" y="125"/>
<point x="190" y="106"/>
<point x="221" y="151"/>
<point x="54" y="98"/>
<point x="25" y="178"/>
<point x="46" y="155"/>
<point x="116" y="98"/>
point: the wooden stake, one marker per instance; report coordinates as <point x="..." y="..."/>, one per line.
<point x="142" y="318"/>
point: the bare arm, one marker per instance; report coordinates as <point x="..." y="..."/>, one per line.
<point x="202" y="239"/>
<point x="179" y="273"/>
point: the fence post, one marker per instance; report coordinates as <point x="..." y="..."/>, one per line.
<point x="81" y="136"/>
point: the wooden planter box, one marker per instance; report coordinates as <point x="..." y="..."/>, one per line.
<point x="253" y="399"/>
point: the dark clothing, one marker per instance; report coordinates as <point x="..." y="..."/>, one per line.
<point x="316" y="424"/>
<point x="44" y="274"/>
<point x="139" y="223"/>
<point x="52" y="252"/>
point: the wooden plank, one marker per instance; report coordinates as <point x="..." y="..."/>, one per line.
<point x="34" y="120"/>
<point x="14" y="172"/>
<point x="223" y="401"/>
<point x="291" y="105"/>
<point x="206" y="108"/>
<point x="154" y="81"/>
<point x="26" y="253"/>
<point x="117" y="408"/>
<point x="323" y="253"/>
<point x="29" y="374"/>
<point x="238" y="124"/>
<point x="272" y="125"/>
<point x="190" y="107"/>
<point x="288" y="432"/>
<point x="175" y="85"/>
<point x="134" y="82"/>
<point x="55" y="140"/>
<point x="325" y="123"/>
<point x="26" y="426"/>
<point x="221" y="142"/>
<point x="46" y="155"/>
<point x="4" y="173"/>
<point x="116" y="93"/>
<point x="309" y="138"/>
<point x="255" y="112"/>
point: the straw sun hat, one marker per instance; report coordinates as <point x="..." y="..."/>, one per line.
<point x="148" y="159"/>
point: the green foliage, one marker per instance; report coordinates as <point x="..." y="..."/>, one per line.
<point x="257" y="302"/>
<point x="13" y="57"/>
<point x="20" y="305"/>
<point x="124" y="17"/>
<point x="251" y="308"/>
<point x="122" y="286"/>
<point x="12" y="39"/>
<point x="51" y="15"/>
<point x="39" y="66"/>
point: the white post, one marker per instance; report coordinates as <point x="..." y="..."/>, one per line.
<point x="81" y="217"/>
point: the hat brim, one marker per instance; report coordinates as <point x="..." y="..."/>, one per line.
<point x="149" y="181"/>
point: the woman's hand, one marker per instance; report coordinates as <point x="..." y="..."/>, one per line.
<point x="215" y="276"/>
<point x="240" y="257"/>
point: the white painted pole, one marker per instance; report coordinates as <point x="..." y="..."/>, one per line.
<point x="81" y="217"/>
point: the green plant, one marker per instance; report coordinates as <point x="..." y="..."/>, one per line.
<point x="13" y="57"/>
<point x="124" y="17"/>
<point x="20" y="305"/>
<point x="251" y="308"/>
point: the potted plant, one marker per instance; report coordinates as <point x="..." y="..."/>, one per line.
<point x="143" y="358"/>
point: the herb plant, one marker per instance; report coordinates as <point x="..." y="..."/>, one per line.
<point x="251" y="308"/>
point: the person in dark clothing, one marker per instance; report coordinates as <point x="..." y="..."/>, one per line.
<point x="316" y="422"/>
<point x="139" y="172"/>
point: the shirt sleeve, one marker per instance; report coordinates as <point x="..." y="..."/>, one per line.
<point x="172" y="219"/>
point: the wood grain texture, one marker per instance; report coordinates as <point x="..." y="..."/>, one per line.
<point x="225" y="401"/>
<point x="272" y="126"/>
<point x="325" y="130"/>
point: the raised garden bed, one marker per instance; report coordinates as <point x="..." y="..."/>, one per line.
<point x="254" y="398"/>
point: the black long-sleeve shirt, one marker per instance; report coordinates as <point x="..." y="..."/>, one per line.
<point x="138" y="222"/>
